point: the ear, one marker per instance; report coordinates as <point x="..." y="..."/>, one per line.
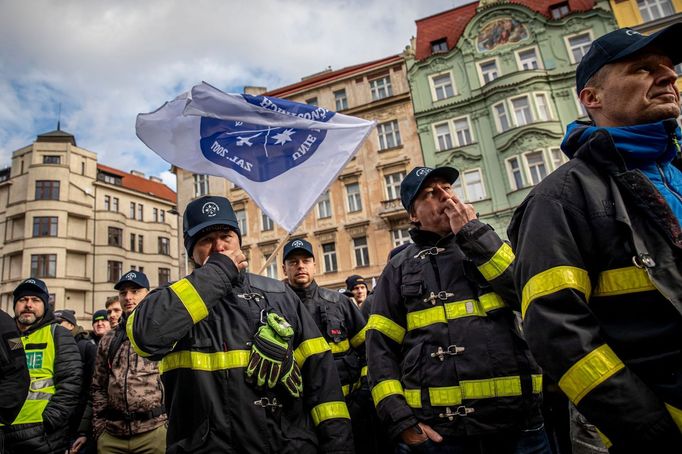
<point x="590" y="97"/>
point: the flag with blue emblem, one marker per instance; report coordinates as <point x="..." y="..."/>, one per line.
<point x="283" y="154"/>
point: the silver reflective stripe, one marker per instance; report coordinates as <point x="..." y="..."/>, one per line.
<point x="38" y="396"/>
<point x="42" y="383"/>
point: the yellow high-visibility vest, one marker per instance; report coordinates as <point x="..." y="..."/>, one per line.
<point x="40" y="354"/>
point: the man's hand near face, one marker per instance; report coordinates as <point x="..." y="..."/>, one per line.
<point x="458" y="213"/>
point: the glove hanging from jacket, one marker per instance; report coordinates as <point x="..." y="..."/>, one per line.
<point x="272" y="358"/>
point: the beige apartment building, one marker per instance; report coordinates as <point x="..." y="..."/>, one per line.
<point x="359" y="219"/>
<point x="80" y="225"/>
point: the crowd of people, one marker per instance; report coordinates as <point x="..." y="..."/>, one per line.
<point x="450" y="351"/>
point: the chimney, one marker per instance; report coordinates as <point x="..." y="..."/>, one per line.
<point x="156" y="179"/>
<point x="255" y="91"/>
<point x="137" y="173"/>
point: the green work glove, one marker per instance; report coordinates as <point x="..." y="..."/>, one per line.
<point x="272" y="358"/>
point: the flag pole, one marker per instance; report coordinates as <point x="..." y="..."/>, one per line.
<point x="275" y="252"/>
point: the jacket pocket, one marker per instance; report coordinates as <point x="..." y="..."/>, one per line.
<point x="195" y="439"/>
<point x="412" y="366"/>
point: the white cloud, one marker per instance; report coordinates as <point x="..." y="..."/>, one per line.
<point x="107" y="61"/>
<point x="169" y="179"/>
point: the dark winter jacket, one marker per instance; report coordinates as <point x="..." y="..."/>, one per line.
<point x="599" y="268"/>
<point x="81" y="419"/>
<point x="14" y="378"/>
<point x="443" y="345"/>
<point x="201" y="328"/>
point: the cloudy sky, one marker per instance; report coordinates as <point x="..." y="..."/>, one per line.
<point x="107" y="61"/>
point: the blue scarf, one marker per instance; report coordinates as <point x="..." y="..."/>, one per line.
<point x="650" y="148"/>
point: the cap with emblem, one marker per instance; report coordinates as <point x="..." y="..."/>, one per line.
<point x="32" y="287"/>
<point x="354" y="280"/>
<point x="66" y="315"/>
<point x="206" y="214"/>
<point x="99" y="315"/>
<point x="298" y="245"/>
<point x="137" y="278"/>
<point x="623" y="43"/>
<point x="413" y="182"/>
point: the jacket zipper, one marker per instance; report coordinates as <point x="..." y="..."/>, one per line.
<point x="665" y="183"/>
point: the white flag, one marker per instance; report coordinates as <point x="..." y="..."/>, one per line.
<point x="283" y="154"/>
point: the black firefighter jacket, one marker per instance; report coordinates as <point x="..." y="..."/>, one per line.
<point x="599" y="266"/>
<point x="14" y="377"/>
<point x="201" y="329"/>
<point x="343" y="327"/>
<point x="443" y="345"/>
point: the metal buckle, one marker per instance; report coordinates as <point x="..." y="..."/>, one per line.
<point x="643" y="261"/>
<point x="459" y="411"/>
<point x="453" y="350"/>
<point x="430" y="251"/>
<point x="265" y="402"/>
<point x="251" y="296"/>
<point x="442" y="295"/>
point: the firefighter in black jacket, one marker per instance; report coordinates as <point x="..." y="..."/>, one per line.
<point x="599" y="248"/>
<point x="244" y="366"/>
<point x="14" y="378"/>
<point x="448" y="366"/>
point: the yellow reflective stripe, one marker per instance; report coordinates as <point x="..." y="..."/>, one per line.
<point x="129" y="332"/>
<point x="604" y="439"/>
<point x="345" y="389"/>
<point x="491" y="301"/>
<point x="498" y="264"/>
<point x="191" y="299"/>
<point x="425" y="317"/>
<point x="387" y="327"/>
<point x="554" y="280"/>
<point x="329" y="410"/>
<point x="463" y="308"/>
<point x="492" y="387"/>
<point x="363" y="371"/>
<point x="308" y="348"/>
<point x="676" y="413"/>
<point x="386" y="388"/>
<point x="359" y="338"/>
<point x="623" y="280"/>
<point x="445" y="395"/>
<point x="339" y="347"/>
<point x="413" y="397"/>
<point x="537" y="383"/>
<point x="590" y="371"/>
<point x="208" y="362"/>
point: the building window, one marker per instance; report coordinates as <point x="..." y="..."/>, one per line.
<point x="361" y="251"/>
<point x="462" y="131"/>
<point x="133" y="242"/>
<point x="536" y="167"/>
<point x="140" y="245"/>
<point x="155" y="214"/>
<point x="109" y="178"/>
<point x="380" y="88"/>
<point x="678" y="69"/>
<point x="44" y="265"/>
<point x="164" y="276"/>
<point x="114" y="270"/>
<point x="542" y="105"/>
<point x="162" y="216"/>
<point x="329" y="254"/>
<point x="443" y="137"/>
<point x="655" y="9"/>
<point x="107" y="203"/>
<point x="582" y="112"/>
<point x="442" y="86"/>
<point x="52" y="159"/>
<point x="114" y="205"/>
<point x="45" y="226"/>
<point x="115" y="236"/>
<point x="389" y="134"/>
<point x="266" y="222"/>
<point x="440" y="45"/>
<point x="515" y="173"/>
<point x="528" y="59"/>
<point x="578" y="46"/>
<point x="354" y="198"/>
<point x="341" y="100"/>
<point x="559" y="10"/>
<point x="132" y="210"/>
<point x="164" y="246"/>
<point x="200" y="185"/>
<point x="312" y="101"/>
<point x="241" y="222"/>
<point x="400" y="236"/>
<point x="47" y="190"/>
<point x="501" y="116"/>
<point x="324" y="206"/>
<point x="522" y="111"/>
<point x="488" y="71"/>
<point x="469" y="187"/>
<point x="140" y="212"/>
<point x="558" y="157"/>
<point x="393" y="181"/>
<point x="271" y="269"/>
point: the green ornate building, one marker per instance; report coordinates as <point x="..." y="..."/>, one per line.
<point x="493" y="88"/>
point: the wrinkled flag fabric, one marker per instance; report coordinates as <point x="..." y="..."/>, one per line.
<point x="283" y="154"/>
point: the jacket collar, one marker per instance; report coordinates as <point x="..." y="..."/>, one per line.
<point x="427" y="238"/>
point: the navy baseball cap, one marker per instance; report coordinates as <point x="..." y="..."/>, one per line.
<point x="206" y="214"/>
<point x="355" y="279"/>
<point x="623" y="43"/>
<point x="413" y="182"/>
<point x="137" y="278"/>
<point x="68" y="315"/>
<point x="99" y="315"/>
<point x="298" y="245"/>
<point x="32" y="287"/>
